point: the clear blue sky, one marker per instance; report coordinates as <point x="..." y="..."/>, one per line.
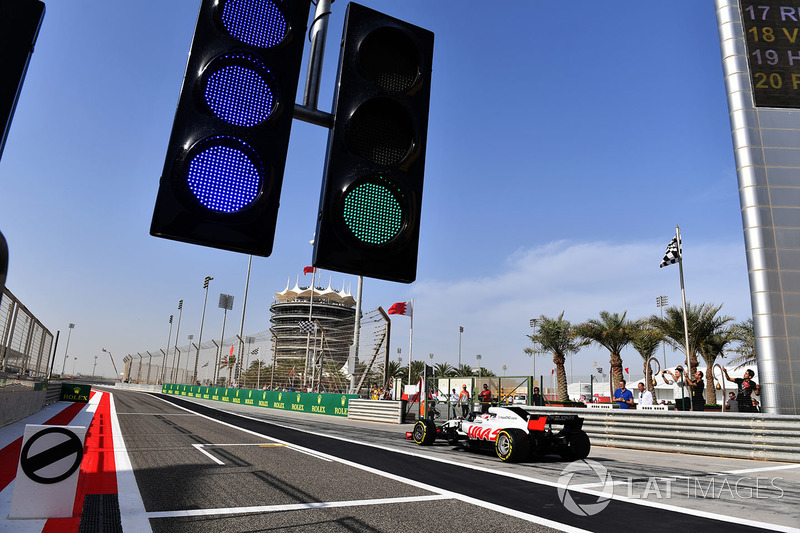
<point x="566" y="140"/>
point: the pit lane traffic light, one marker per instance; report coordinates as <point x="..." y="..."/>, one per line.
<point x="370" y="204"/>
<point x="223" y="172"/>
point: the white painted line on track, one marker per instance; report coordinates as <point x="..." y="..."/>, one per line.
<point x="635" y="501"/>
<point x="765" y="469"/>
<point x="292" y="507"/>
<point x="201" y="450"/>
<point x="131" y="506"/>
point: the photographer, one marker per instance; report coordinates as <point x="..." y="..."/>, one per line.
<point x="680" y="389"/>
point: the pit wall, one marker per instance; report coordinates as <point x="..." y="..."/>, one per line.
<point x="299" y="402"/>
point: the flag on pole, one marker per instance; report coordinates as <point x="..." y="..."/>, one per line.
<point x="205" y="365"/>
<point x="291" y="371"/>
<point x="673" y="254"/>
<point x="308" y="326"/>
<point x="627" y="370"/>
<point x="309" y="270"/>
<point x="402" y="308"/>
<point x="231" y="349"/>
<point x="256" y="351"/>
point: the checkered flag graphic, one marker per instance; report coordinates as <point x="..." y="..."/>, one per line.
<point x="307" y="326"/>
<point x="256" y="351"/>
<point x="673" y="254"/>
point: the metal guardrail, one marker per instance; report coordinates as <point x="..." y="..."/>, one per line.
<point x="740" y="435"/>
<point x="389" y="411"/>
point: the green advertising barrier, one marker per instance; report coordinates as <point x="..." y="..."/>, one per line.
<point x="75" y="393"/>
<point x="303" y="402"/>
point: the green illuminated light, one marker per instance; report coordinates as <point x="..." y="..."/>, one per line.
<point x="373" y="213"/>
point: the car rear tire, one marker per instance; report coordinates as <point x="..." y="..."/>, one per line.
<point x="424" y="432"/>
<point x="577" y="446"/>
<point x="512" y="445"/>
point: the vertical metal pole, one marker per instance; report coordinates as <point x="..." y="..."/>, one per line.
<point x="200" y="337"/>
<point x="177" y="359"/>
<point x="241" y="326"/>
<point x="688" y="371"/>
<point x="166" y="354"/>
<point x="356" y="336"/>
<point x="319" y="31"/>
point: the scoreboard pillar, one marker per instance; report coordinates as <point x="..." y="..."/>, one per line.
<point x="760" y="46"/>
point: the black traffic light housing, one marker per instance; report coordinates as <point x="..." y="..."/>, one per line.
<point x="222" y="177"/>
<point x="370" y="205"/>
<point x="20" y="21"/>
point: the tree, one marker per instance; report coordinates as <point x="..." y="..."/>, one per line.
<point x="613" y="332"/>
<point x="229" y="363"/>
<point x="710" y="349"/>
<point x="744" y="334"/>
<point x="702" y="321"/>
<point x="557" y="336"/>
<point x="464" y="370"/>
<point x="443" y="370"/>
<point x="645" y="341"/>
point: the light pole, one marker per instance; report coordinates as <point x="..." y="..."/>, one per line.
<point x="241" y="325"/>
<point x="505" y="367"/>
<point x="202" y="320"/>
<point x="478" y="357"/>
<point x="460" y="331"/>
<point x="166" y="354"/>
<point x="661" y="301"/>
<point x="226" y="303"/>
<point x="177" y="358"/>
<point x="534" y="321"/>
<point x="69" y="334"/>
<point x="74" y="362"/>
<point x="94" y="366"/>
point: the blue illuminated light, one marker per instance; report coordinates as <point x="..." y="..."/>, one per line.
<point x="255" y="22"/>
<point x="238" y="93"/>
<point x="224" y="178"/>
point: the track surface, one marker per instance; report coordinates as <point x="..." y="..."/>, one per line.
<point x="198" y="468"/>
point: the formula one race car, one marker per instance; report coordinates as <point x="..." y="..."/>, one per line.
<point x="513" y="433"/>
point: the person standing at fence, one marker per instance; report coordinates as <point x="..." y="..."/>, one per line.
<point x="463" y="401"/>
<point x="680" y="389"/>
<point x="536" y="398"/>
<point x="623" y="396"/>
<point x="485" y="397"/>
<point x="645" y="396"/>
<point x="698" y="392"/>
<point x="746" y="387"/>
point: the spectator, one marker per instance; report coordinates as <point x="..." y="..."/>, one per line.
<point x="623" y="396"/>
<point x="463" y="401"/>
<point x="698" y="389"/>
<point x="680" y="389"/>
<point x="485" y="397"/>
<point x="732" y="404"/>
<point x="645" y="396"/>
<point x="536" y="398"/>
<point x="746" y="387"/>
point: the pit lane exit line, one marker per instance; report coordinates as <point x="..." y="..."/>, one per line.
<point x="292" y="507"/>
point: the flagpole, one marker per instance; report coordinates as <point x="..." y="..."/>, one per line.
<point x="308" y="334"/>
<point x="410" y="340"/>
<point x="685" y="319"/>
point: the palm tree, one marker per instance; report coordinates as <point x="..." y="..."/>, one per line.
<point x="744" y="333"/>
<point x="443" y="369"/>
<point x="613" y="332"/>
<point x="710" y="350"/>
<point x="464" y="370"/>
<point x="702" y="321"/>
<point x="229" y="363"/>
<point x="645" y="341"/>
<point x="394" y="369"/>
<point x="557" y="336"/>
